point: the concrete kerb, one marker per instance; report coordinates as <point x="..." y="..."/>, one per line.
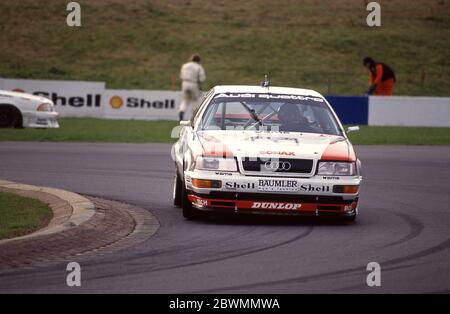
<point x="81" y="209"/>
<point x="81" y="228"/>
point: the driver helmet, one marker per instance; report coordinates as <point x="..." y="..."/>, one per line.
<point x="289" y="113"/>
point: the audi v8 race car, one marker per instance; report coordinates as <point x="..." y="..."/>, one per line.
<point x="25" y="110"/>
<point x="265" y="150"/>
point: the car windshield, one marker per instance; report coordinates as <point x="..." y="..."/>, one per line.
<point x="271" y="112"/>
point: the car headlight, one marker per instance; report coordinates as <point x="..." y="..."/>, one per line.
<point x="215" y="163"/>
<point x="333" y="168"/>
<point x="45" y="107"/>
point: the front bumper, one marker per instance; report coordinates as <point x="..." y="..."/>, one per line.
<point x="40" y="119"/>
<point x="293" y="196"/>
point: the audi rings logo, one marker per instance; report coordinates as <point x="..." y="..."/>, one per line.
<point x="278" y="165"/>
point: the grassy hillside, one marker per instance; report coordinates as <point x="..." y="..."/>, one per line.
<point x="316" y="44"/>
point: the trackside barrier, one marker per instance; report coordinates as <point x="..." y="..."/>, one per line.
<point x="350" y="109"/>
<point x="140" y="104"/>
<point x="409" y="111"/>
<point x="92" y="99"/>
<point x="71" y="98"/>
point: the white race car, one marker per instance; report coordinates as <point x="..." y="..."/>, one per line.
<point x="265" y="150"/>
<point x="19" y="110"/>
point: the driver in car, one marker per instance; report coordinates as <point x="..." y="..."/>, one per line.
<point x="292" y="120"/>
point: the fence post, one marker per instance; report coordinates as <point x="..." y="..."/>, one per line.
<point x="173" y="82"/>
<point x="422" y="77"/>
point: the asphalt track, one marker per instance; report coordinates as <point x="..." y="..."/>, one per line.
<point x="404" y="225"/>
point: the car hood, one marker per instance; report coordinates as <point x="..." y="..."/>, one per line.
<point x="276" y="144"/>
<point x="24" y="96"/>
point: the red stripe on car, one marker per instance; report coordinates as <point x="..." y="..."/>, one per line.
<point x="339" y="151"/>
<point x="213" y="147"/>
<point x="269" y="206"/>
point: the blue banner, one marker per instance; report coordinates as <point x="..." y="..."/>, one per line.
<point x="351" y="109"/>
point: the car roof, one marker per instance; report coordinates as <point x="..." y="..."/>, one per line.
<point x="264" y="90"/>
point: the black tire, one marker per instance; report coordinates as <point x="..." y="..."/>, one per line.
<point x="177" y="186"/>
<point x="189" y="212"/>
<point x="10" y="117"/>
<point x="349" y="219"/>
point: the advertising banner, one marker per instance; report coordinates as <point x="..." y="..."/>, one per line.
<point x="71" y="98"/>
<point x="140" y="104"/>
<point x="350" y="109"/>
<point x="91" y="99"/>
<point x="409" y="111"/>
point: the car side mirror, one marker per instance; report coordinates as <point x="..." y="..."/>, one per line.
<point x="185" y="123"/>
<point x="352" y="129"/>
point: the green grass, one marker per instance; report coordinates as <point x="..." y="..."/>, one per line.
<point x="21" y="215"/>
<point x="372" y="135"/>
<point x="96" y="130"/>
<point x="314" y="44"/>
<point x="133" y="131"/>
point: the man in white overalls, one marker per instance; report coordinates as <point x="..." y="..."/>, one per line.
<point x="192" y="75"/>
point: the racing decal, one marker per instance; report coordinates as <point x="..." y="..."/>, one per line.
<point x="198" y="201"/>
<point x="275" y="139"/>
<point x="243" y="186"/>
<point x="222" y="173"/>
<point x="312" y="188"/>
<point x="271" y="205"/>
<point x="351" y="207"/>
<point x="202" y="202"/>
<point x="231" y="95"/>
<point x="330" y="178"/>
<point x="295" y="97"/>
<point x="269" y="96"/>
<point x="271" y="152"/>
<point x="339" y="151"/>
<point x="277" y="185"/>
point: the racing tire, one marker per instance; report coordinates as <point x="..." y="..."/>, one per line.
<point x="177" y="187"/>
<point x="189" y="212"/>
<point x="349" y="219"/>
<point x="10" y="117"/>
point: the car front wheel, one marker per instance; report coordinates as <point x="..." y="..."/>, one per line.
<point x="9" y="117"/>
<point x="349" y="219"/>
<point x="189" y="212"/>
<point x="177" y="186"/>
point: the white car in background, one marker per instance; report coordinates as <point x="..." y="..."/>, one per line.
<point x="266" y="150"/>
<point x="19" y="110"/>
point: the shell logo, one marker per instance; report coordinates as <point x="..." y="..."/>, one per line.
<point x="116" y="102"/>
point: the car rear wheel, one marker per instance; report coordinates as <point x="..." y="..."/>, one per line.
<point x="10" y="117"/>
<point x="177" y="185"/>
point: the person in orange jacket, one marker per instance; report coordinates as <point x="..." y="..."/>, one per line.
<point x="382" y="77"/>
